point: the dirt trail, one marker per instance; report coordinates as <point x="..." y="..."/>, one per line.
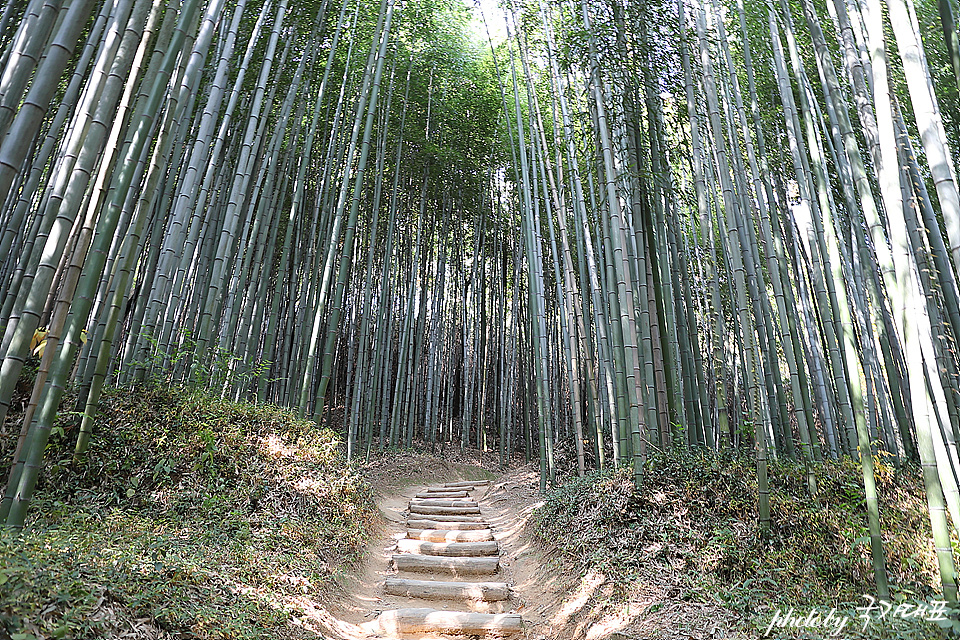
<point x="505" y="503"/>
<point x="555" y="604"/>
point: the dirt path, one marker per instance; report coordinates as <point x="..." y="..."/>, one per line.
<point x="555" y="604"/>
<point x="505" y="503"/>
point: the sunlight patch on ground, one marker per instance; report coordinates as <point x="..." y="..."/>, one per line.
<point x="309" y="485"/>
<point x="588" y="586"/>
<point x="317" y="620"/>
<point x="277" y="449"/>
<point x="616" y="621"/>
<point x="304" y="585"/>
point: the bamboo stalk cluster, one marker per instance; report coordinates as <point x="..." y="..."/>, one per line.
<point x="628" y="227"/>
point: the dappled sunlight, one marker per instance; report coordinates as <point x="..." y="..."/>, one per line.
<point x="616" y="621"/>
<point x="316" y="619"/>
<point x="356" y="605"/>
<point x="227" y="514"/>
<point x="277" y="448"/>
<point x="299" y="583"/>
<point x="309" y="485"/>
<point x="558" y="601"/>
<point x="578" y="599"/>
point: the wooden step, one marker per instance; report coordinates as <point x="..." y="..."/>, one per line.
<point x="448" y="549"/>
<point x="437" y="564"/>
<point x="439" y="517"/>
<point x="447" y="535"/>
<point x="444" y="494"/>
<point x="429" y="589"/>
<point x="444" y="502"/>
<point x="400" y="621"/>
<point x="440" y="524"/>
<point x="473" y="483"/>
<point x="446" y="511"/>
<point x="466" y="489"/>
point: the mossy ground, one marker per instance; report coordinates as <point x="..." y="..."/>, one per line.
<point x="693" y="523"/>
<point x="189" y="517"/>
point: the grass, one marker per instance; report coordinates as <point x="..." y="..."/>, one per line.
<point x="693" y="523"/>
<point x="190" y="517"/>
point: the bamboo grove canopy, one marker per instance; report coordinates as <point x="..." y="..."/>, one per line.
<point x="609" y="228"/>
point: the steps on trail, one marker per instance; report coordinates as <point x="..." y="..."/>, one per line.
<point x="439" y="517"/>
<point x="401" y="621"/>
<point x="447" y="537"/>
<point x="443" y="524"/>
<point x="428" y="509"/>
<point x="444" y="502"/>
<point x="430" y="589"/>
<point x="438" y="564"/>
<point x="450" y="535"/>
<point x="449" y="549"/>
<point x="443" y="494"/>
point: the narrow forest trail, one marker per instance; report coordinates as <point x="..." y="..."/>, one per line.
<point x="445" y="558"/>
<point x="508" y="588"/>
<point x="555" y="601"/>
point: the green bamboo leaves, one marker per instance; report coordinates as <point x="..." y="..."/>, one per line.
<point x="626" y="228"/>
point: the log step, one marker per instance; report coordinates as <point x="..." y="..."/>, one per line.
<point x="448" y="549"/>
<point x="438" y="564"/>
<point x="444" y="502"/>
<point x="446" y="535"/>
<point x="447" y="511"/>
<point x="442" y="524"/>
<point x="428" y="589"/>
<point x="439" y="517"/>
<point x="473" y="483"/>
<point x="445" y="494"/>
<point x="400" y="621"/>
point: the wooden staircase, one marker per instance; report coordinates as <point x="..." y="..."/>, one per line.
<point x="449" y="555"/>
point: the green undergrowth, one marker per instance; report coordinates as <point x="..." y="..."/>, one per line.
<point x="693" y="524"/>
<point x="190" y="516"/>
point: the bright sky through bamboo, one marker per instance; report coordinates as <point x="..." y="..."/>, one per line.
<point x="489" y="10"/>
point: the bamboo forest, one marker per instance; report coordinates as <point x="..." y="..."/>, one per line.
<point x="578" y="235"/>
